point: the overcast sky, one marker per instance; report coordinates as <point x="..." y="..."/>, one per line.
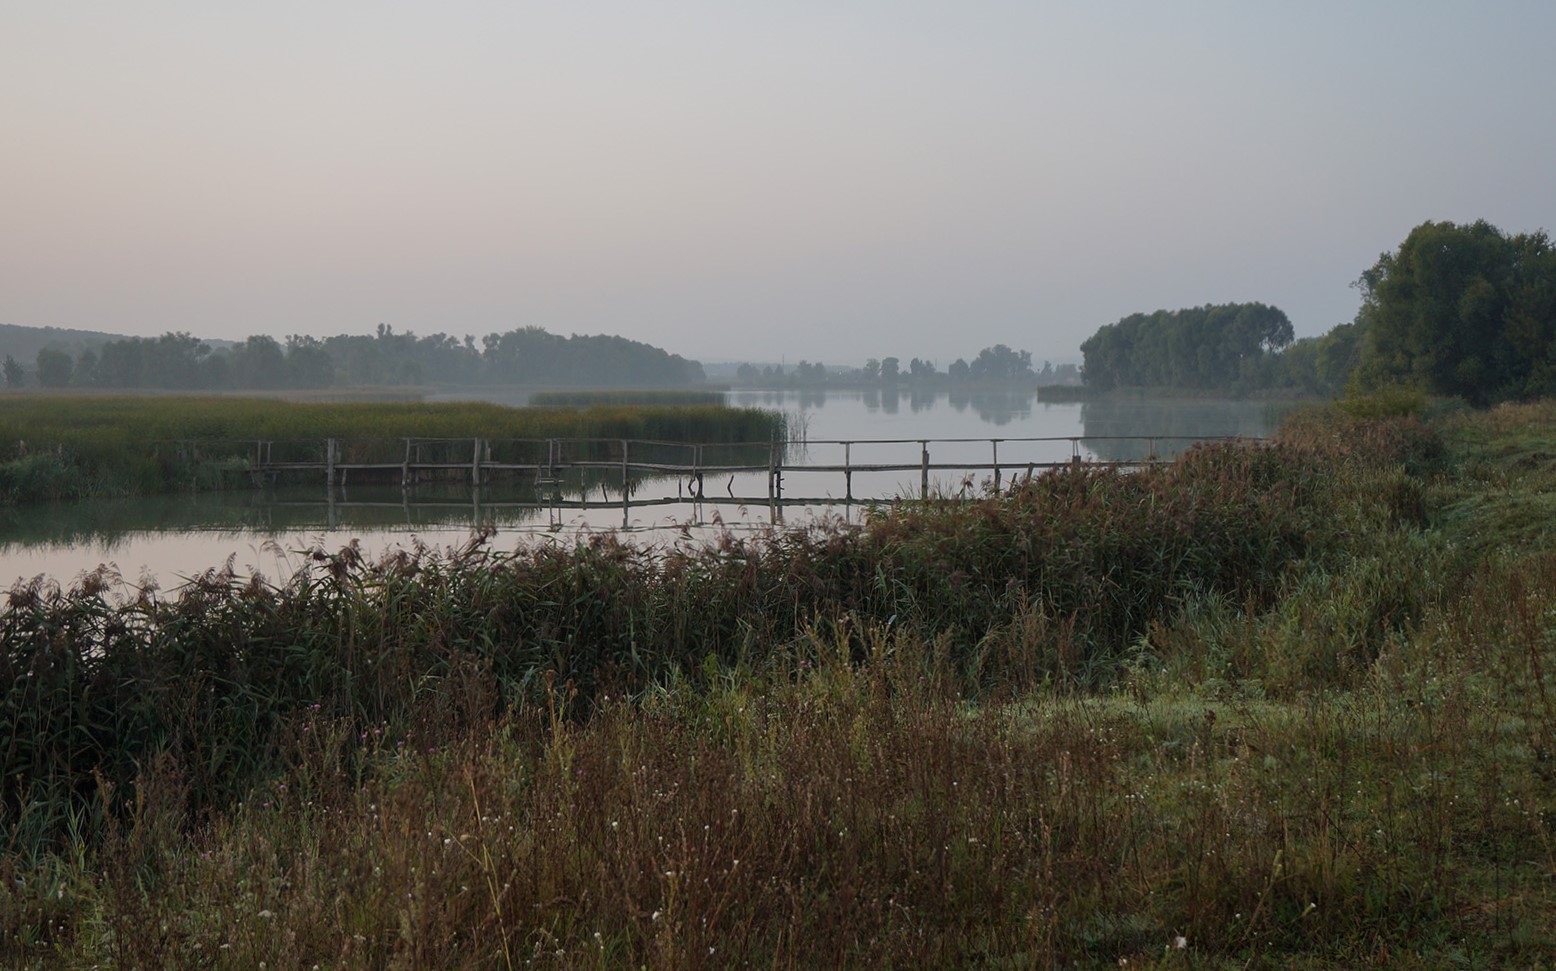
<point x="740" y="180"/>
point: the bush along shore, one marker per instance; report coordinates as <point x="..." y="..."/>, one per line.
<point x="56" y="447"/>
<point x="1284" y="704"/>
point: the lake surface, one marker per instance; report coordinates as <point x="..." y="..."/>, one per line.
<point x="164" y="539"/>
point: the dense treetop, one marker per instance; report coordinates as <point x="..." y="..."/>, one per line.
<point x="1462" y="310"/>
<point x="1217" y="346"/>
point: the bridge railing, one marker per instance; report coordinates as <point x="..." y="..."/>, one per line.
<point x="628" y="461"/>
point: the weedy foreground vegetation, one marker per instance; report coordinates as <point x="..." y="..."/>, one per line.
<point x="91" y="446"/>
<point x="1277" y="705"/>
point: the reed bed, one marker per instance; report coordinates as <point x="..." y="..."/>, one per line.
<point x="1259" y="707"/>
<point x="71" y="447"/>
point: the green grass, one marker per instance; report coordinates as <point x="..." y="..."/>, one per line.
<point x="1269" y="706"/>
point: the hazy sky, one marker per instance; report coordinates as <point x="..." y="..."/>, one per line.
<point x="733" y="180"/>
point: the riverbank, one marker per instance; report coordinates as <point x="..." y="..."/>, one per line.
<point x="55" y="447"/>
<point x="1282" y="703"/>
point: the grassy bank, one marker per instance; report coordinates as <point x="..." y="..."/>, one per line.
<point x="1282" y="705"/>
<point x="64" y="447"/>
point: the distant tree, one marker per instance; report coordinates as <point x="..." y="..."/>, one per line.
<point x="1210" y="347"/>
<point x="532" y="355"/>
<point x="13" y="372"/>
<point x="215" y="371"/>
<point x="54" y="367"/>
<point x="85" y="375"/>
<point x="871" y="370"/>
<point x="1001" y="364"/>
<point x="120" y="364"/>
<point x="1320" y="365"/>
<point x="959" y="372"/>
<point x="889" y="370"/>
<point x="809" y="375"/>
<point x="309" y="365"/>
<point x="174" y="360"/>
<point x="746" y="374"/>
<point x="921" y="370"/>
<point x="258" y="362"/>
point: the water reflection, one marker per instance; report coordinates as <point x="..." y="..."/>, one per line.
<point x="106" y="523"/>
<point x="995" y="408"/>
<point x="1111" y="426"/>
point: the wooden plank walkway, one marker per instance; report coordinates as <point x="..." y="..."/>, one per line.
<point x="549" y="461"/>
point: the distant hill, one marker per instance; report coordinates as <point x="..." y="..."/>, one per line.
<point x="24" y="343"/>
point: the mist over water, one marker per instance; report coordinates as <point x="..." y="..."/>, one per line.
<point x="166" y="538"/>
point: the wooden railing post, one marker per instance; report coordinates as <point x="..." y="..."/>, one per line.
<point x="923" y="468"/>
<point x="848" y="471"/>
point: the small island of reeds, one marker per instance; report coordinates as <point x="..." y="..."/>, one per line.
<point x="86" y="446"/>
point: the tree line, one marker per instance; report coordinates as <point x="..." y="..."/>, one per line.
<point x="529" y="355"/>
<point x="1459" y="310"/>
<point x="999" y="365"/>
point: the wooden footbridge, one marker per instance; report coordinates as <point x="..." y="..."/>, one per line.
<point x="558" y="465"/>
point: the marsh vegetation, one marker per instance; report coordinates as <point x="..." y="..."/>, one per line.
<point x="1285" y="703"/>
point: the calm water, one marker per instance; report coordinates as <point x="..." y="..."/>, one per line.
<point x="167" y="538"/>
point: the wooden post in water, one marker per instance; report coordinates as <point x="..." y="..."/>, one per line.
<point x="405" y="467"/>
<point x="624" y="471"/>
<point x="848" y="472"/>
<point x="775" y="474"/>
<point x="475" y="462"/>
<point x="996" y="444"/>
<point x="923" y="470"/>
<point x="329" y="465"/>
